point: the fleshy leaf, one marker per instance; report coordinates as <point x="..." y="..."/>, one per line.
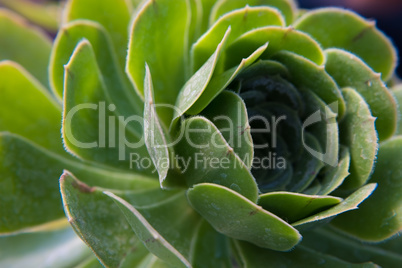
<point x="24" y="44"/>
<point x="333" y="177"/>
<point x="308" y="75"/>
<point x="235" y="216"/>
<point x="301" y="257"/>
<point x="154" y="242"/>
<point x="385" y="201"/>
<point x="220" y="81"/>
<point x="59" y="248"/>
<point x="398" y="96"/>
<point x="240" y="21"/>
<point x="99" y="223"/>
<point x="279" y="39"/>
<point x="286" y="7"/>
<point x="350" y="71"/>
<point x="159" y="38"/>
<point x="27" y="109"/>
<point x="85" y="131"/>
<point x="154" y="136"/>
<point x="357" y="131"/>
<point x="330" y="242"/>
<point x="295" y="206"/>
<point x="229" y="114"/>
<point x="335" y="27"/>
<point x="209" y="158"/>
<point x="349" y="203"/>
<point x="44" y="14"/>
<point x="197" y="84"/>
<point x="118" y="86"/>
<point x="113" y="15"/>
<point x="29" y="192"/>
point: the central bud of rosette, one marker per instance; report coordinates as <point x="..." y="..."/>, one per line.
<point x="289" y="127"/>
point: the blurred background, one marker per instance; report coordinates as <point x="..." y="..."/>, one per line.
<point x="387" y="14"/>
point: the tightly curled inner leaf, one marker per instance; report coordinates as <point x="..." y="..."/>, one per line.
<point x="225" y="131"/>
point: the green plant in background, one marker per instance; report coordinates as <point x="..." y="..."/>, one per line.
<point x="131" y="119"/>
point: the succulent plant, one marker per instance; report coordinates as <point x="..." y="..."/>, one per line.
<point x="231" y="133"/>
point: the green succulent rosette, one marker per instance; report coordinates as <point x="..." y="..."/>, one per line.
<point x="164" y="107"/>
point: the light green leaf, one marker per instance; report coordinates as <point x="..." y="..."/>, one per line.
<point x="301" y="257"/>
<point x="240" y="21"/>
<point x="333" y="177"/>
<point x="229" y="114"/>
<point x="29" y="192"/>
<point x="295" y="206"/>
<point x="349" y="203"/>
<point x="59" y="248"/>
<point x="24" y="44"/>
<point x="235" y="216"/>
<point x="27" y="109"/>
<point x="197" y="84"/>
<point x="328" y="241"/>
<point x="206" y="7"/>
<point x="153" y="241"/>
<point x="159" y="37"/>
<point x="279" y="39"/>
<point x="118" y="87"/>
<point x="99" y="223"/>
<point x="86" y="132"/>
<point x="286" y="7"/>
<point x="340" y="28"/>
<point x="209" y="158"/>
<point x="358" y="133"/>
<point x="155" y="140"/>
<point x="350" y="71"/>
<point x="45" y="14"/>
<point x="385" y="203"/>
<point x="398" y="96"/>
<point x="308" y="75"/>
<point x="113" y="15"/>
<point x="220" y="81"/>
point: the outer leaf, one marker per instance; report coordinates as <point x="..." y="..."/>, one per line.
<point x="154" y="136"/>
<point x="160" y="36"/>
<point x="85" y="113"/>
<point x="235" y="216"/>
<point x="329" y="242"/>
<point x="302" y="257"/>
<point x="349" y="203"/>
<point x="24" y="44"/>
<point x="91" y="213"/>
<point x="308" y="75"/>
<point x="27" y="109"/>
<point x="146" y="233"/>
<point x="60" y="248"/>
<point x="359" y="134"/>
<point x="286" y="7"/>
<point x="294" y="206"/>
<point x="113" y="15"/>
<point x="229" y="114"/>
<point x="386" y="201"/>
<point x="398" y="95"/>
<point x="29" y="190"/>
<point x="240" y="21"/>
<point x="350" y="71"/>
<point x="209" y="158"/>
<point x="335" y="27"/>
<point x="118" y="87"/>
<point x="279" y="39"/>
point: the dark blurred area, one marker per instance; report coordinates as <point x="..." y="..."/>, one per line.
<point x="387" y="14"/>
